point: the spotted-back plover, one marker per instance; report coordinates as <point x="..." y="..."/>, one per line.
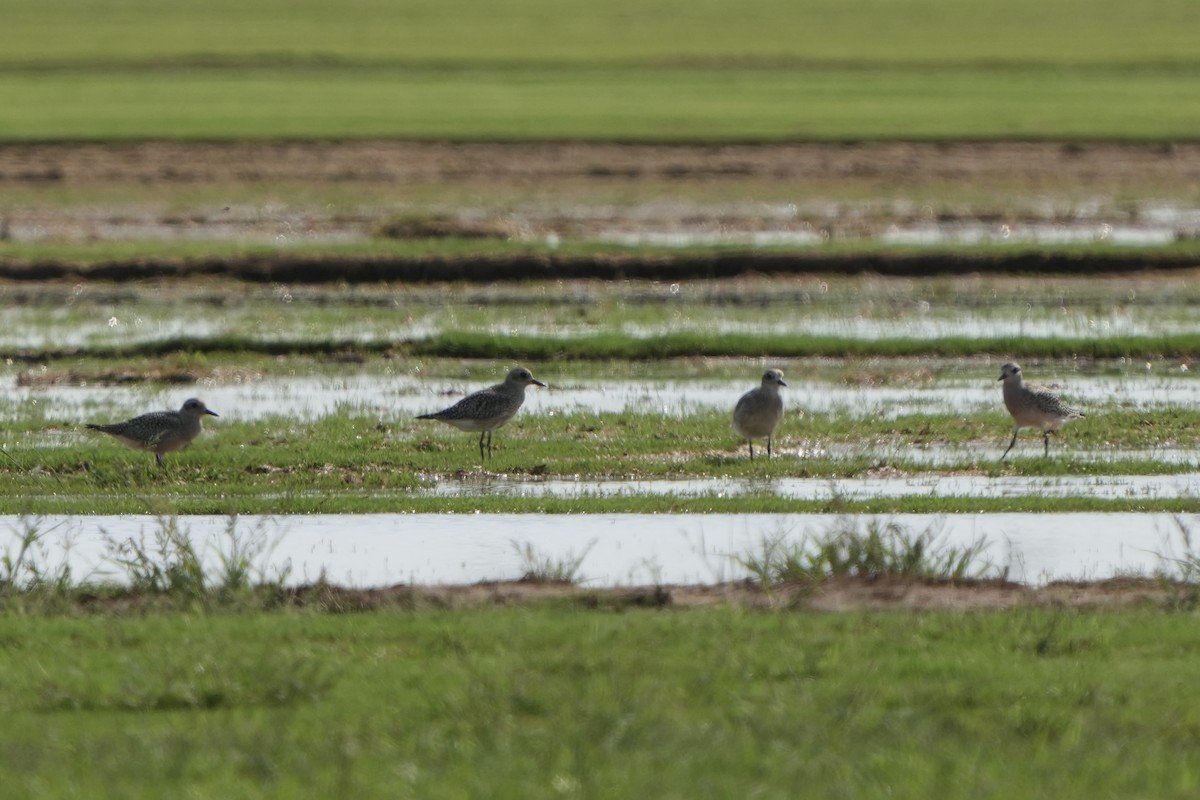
<point x="1033" y="407"/>
<point x="758" y="412"/>
<point x="160" y="431"/>
<point x="488" y="409"/>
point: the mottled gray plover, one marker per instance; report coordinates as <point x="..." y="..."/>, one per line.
<point x="488" y="409"/>
<point x="160" y="431"/>
<point x="1033" y="407"/>
<point x="759" y="411"/>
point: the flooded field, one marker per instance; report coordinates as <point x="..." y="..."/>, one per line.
<point x="612" y="550"/>
<point x="254" y="396"/>
<point x="318" y="381"/>
<point x="92" y="314"/>
<point x="684" y="226"/>
<point x="792" y="195"/>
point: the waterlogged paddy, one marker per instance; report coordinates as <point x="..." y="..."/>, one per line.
<point x="51" y="395"/>
<point x="660" y="224"/>
<point x="613" y="550"/>
<point x="96" y="314"/>
<point x="928" y="234"/>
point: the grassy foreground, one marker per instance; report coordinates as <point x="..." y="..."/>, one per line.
<point x="553" y="702"/>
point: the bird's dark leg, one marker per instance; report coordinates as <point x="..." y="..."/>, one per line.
<point x="481" y="435"/>
<point x="489" y="433"/>
<point x="769" y="445"/>
<point x="1010" y="444"/>
<point x="751" y="443"/>
<point x="158" y="458"/>
<point x="1046" y="439"/>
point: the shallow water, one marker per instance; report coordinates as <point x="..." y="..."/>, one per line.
<point x="616" y="550"/>
<point x="652" y="224"/>
<point x="127" y="325"/>
<point x="963" y="232"/>
<point x="976" y="233"/>
<point x="401" y="396"/>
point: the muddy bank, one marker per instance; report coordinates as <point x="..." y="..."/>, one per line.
<point x="284" y="268"/>
<point x="1036" y="166"/>
<point x="703" y="211"/>
<point x="839" y="595"/>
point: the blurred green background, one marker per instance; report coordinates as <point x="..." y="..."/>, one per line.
<point x="656" y="70"/>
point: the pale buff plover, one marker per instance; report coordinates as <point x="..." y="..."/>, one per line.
<point x="160" y="431"/>
<point x="1033" y="407"/>
<point x="488" y="409"/>
<point x="758" y="412"/>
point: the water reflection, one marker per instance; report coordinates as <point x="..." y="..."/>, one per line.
<point x="960" y="232"/>
<point x="1139" y="487"/>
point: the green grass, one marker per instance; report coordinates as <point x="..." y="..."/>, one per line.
<point x="451" y="32"/>
<point x="677" y="104"/>
<point x="765" y="70"/>
<point x="546" y="702"/>
<point x="349" y="463"/>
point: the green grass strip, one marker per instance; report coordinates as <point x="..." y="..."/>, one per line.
<point x="616" y="346"/>
<point x="546" y="701"/>
<point x="624" y="103"/>
<point x="345" y="463"/>
<point x="774" y="70"/>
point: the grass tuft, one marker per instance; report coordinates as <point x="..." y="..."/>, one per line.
<point x="1180" y="573"/>
<point x="540" y="568"/>
<point x="26" y="573"/>
<point x="168" y="564"/>
<point x="877" y="549"/>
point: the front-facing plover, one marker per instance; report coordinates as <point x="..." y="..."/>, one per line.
<point x="758" y="412"/>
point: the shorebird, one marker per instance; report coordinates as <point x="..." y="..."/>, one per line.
<point x="488" y="409"/>
<point x="1033" y="407"/>
<point x="160" y="431"/>
<point x="758" y="412"/>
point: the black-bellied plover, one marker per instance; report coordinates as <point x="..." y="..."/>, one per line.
<point x="758" y="412"/>
<point x="160" y="431"/>
<point x="1033" y="407"/>
<point x="488" y="409"/>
